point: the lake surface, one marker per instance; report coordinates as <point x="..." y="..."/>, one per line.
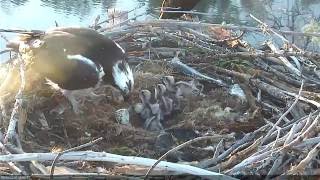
<point x="41" y="14"/>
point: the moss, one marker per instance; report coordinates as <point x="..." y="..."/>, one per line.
<point x="123" y="150"/>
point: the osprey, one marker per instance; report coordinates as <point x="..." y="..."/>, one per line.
<point x="73" y="58"/>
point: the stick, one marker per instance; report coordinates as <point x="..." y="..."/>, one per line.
<point x="237" y="157"/>
<point x="276" y="165"/>
<point x="303" y="164"/>
<point x="22" y="31"/>
<point x="69" y="150"/>
<point x="304" y="135"/>
<point x="81" y="176"/>
<point x="315" y="103"/>
<point x="284" y="114"/>
<point x="11" y="164"/>
<point x="185" y="12"/>
<point x="137" y="7"/>
<point x="6" y="50"/>
<point x="18" y="103"/>
<point x="248" y="137"/>
<point x="263" y="54"/>
<point x="219" y="148"/>
<point x="308" y="142"/>
<point x="249" y="161"/>
<point x="266" y="26"/>
<point x="291" y="134"/>
<point x="217" y="137"/>
<point x="169" y="23"/>
<point x="284" y="60"/>
<point x="107" y="157"/>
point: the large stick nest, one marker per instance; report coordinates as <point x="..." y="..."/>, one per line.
<point x="265" y="140"/>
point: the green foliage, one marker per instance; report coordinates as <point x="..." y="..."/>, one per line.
<point x="312" y="27"/>
<point x="126" y="151"/>
<point x="232" y="63"/>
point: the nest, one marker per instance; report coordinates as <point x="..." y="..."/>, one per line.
<point x="270" y="127"/>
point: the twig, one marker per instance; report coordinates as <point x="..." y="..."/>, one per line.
<point x="11" y="164"/>
<point x="66" y="134"/>
<point x="237" y="157"/>
<point x="4" y="37"/>
<point x="307" y="124"/>
<point x="303" y="164"/>
<point x="289" y="43"/>
<point x="22" y="31"/>
<point x="250" y="160"/>
<point x="137" y="7"/>
<point x="69" y="150"/>
<point x="36" y="165"/>
<point x="277" y="138"/>
<point x="248" y="137"/>
<point x="315" y="103"/>
<point x="263" y="54"/>
<point x="6" y="50"/>
<point x="308" y="142"/>
<point x="81" y="176"/>
<point x="124" y="22"/>
<point x="184" y="12"/>
<point x="174" y="36"/>
<point x="284" y="60"/>
<point x="304" y="135"/>
<point x="18" y="103"/>
<point x="275" y="167"/>
<point x="284" y="114"/>
<point x="267" y="27"/>
<point x="216" y="137"/>
<point x="219" y="147"/>
<point x="169" y="23"/>
<point x="291" y="134"/>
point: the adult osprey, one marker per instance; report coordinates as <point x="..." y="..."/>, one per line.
<point x="77" y="58"/>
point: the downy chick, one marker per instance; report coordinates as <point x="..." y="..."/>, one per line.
<point x="187" y="89"/>
<point x="170" y="92"/>
<point x="150" y="112"/>
<point x="166" y="103"/>
<point x="181" y="89"/>
<point x="169" y="83"/>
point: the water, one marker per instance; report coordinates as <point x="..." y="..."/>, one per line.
<point x="42" y="14"/>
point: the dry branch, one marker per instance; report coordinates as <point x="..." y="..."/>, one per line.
<point x="284" y="114"/>
<point x="218" y="137"/>
<point x="305" y="162"/>
<point x="268" y="79"/>
<point x="248" y="137"/>
<point x="107" y="157"/>
<point x="176" y="23"/>
<point x="70" y="150"/>
<point x="16" y="112"/>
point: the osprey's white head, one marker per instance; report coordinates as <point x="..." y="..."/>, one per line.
<point x="123" y="76"/>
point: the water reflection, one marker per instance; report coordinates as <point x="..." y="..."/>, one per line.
<point x="41" y="14"/>
<point x="7" y="5"/>
<point x="257" y="7"/>
<point x="13" y="2"/>
<point x="80" y="8"/>
<point x="230" y="11"/>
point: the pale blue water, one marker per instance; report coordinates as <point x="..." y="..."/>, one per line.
<point x="41" y="14"/>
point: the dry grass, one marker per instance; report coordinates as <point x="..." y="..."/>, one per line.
<point x="204" y="114"/>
